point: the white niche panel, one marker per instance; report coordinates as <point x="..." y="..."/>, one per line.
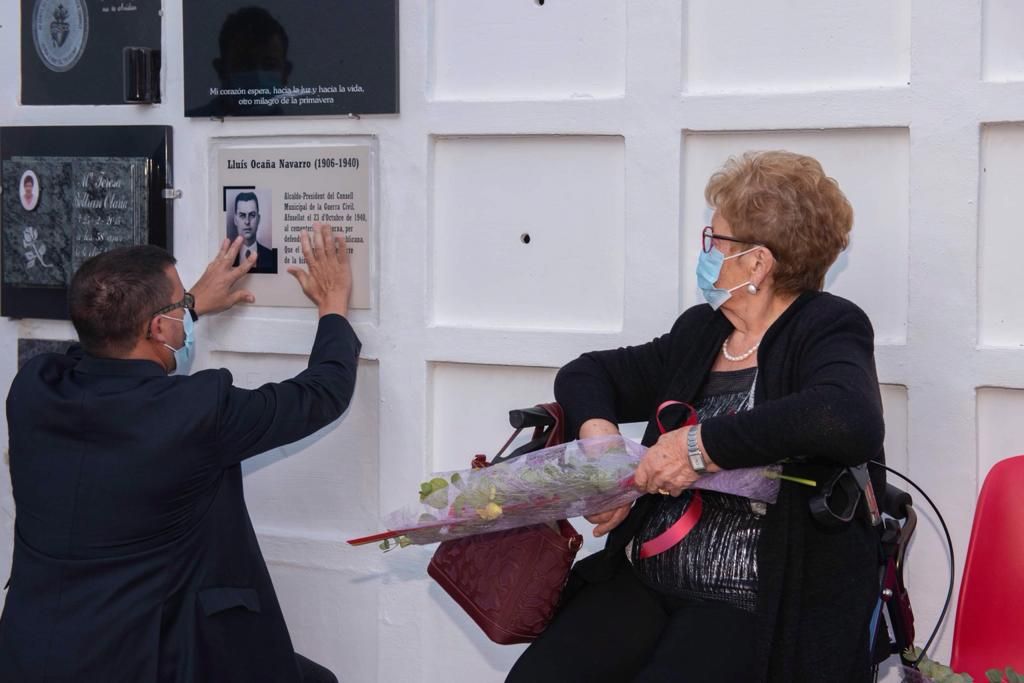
<point x="469" y="406"/>
<point x="894" y="403"/>
<point x="528" y="50"/>
<point x="529" y="232"/>
<point x="1000" y="238"/>
<point x="738" y="45"/>
<point x="1002" y="50"/>
<point x="326" y="609"/>
<point x="325" y="483"/>
<point x="871" y="167"/>
<point x="1000" y="429"/>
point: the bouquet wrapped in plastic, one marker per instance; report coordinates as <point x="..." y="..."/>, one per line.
<point x="568" y="480"/>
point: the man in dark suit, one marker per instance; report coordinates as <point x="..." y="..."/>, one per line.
<point x="134" y="555"/>
<point x="246" y="217"/>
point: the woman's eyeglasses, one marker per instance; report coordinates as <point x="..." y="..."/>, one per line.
<point x="709" y="237"/>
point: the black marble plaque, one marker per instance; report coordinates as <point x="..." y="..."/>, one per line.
<point x="72" y="192"/>
<point x="72" y="50"/>
<point x="109" y="205"/>
<point x="287" y="58"/>
<point x="30" y="348"/>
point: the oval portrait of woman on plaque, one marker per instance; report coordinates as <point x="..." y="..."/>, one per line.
<point x="28" y="190"/>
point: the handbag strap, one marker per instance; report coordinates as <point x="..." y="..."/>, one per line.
<point x="671" y="536"/>
<point x="569" y="533"/>
<point x="556" y="433"/>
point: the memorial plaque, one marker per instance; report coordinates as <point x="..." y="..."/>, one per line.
<point x="72" y="50"/>
<point x="30" y="348"/>
<point x="270" y="193"/>
<point x="72" y="192"/>
<point x="285" y="58"/>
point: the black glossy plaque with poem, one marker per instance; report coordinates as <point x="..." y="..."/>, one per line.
<point x="287" y="58"/>
<point x="69" y="193"/>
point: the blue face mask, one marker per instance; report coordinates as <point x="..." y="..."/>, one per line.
<point x="184" y="356"/>
<point x="709" y="267"/>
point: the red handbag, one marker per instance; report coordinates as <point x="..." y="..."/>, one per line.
<point x="510" y="582"/>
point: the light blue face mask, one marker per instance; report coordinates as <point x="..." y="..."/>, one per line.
<point x="709" y="267"/>
<point x="184" y="356"/>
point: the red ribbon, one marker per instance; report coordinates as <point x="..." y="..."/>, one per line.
<point x="675" y="533"/>
<point x="671" y="536"/>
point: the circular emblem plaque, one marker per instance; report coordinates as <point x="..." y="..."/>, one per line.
<point x="60" y="29"/>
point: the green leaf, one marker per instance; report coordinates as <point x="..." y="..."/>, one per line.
<point x="437" y="500"/>
<point x="994" y="676"/>
<point x="434" y="493"/>
<point x="937" y="672"/>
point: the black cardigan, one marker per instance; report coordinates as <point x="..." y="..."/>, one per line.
<point x="817" y="400"/>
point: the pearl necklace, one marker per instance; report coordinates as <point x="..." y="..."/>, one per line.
<point x="743" y="356"/>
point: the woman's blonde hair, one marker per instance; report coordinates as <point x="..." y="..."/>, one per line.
<point x="785" y="202"/>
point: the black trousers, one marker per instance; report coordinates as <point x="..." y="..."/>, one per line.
<point x="313" y="672"/>
<point x="621" y="630"/>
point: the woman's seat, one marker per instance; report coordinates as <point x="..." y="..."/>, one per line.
<point x="989" y="631"/>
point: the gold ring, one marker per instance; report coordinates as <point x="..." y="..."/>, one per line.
<point x="663" y="492"/>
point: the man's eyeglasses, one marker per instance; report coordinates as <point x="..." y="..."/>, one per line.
<point x="709" y="237"/>
<point x="187" y="302"/>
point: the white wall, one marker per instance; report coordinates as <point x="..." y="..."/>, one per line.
<point x="592" y="125"/>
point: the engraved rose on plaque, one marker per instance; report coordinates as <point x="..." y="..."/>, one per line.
<point x="34" y="249"/>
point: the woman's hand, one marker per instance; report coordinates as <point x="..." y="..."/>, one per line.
<point x="666" y="466"/>
<point x="609" y="519"/>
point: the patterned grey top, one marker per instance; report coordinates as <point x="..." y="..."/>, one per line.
<point x="717" y="560"/>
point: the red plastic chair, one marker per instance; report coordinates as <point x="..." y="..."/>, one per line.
<point x="989" y="630"/>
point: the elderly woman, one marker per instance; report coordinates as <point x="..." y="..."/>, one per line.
<point x="779" y="372"/>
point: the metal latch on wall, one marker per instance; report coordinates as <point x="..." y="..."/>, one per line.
<point x="171" y="193"/>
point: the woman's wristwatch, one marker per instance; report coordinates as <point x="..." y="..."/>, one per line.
<point x="697" y="462"/>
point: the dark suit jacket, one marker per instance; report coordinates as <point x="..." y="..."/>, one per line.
<point x="134" y="556"/>
<point x="266" y="259"/>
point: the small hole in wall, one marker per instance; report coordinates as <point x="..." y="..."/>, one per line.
<point x="525" y="237"/>
<point x="540" y="3"/>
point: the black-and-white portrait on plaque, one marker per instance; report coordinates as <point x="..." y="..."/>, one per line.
<point x="248" y="212"/>
<point x="29" y="190"/>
